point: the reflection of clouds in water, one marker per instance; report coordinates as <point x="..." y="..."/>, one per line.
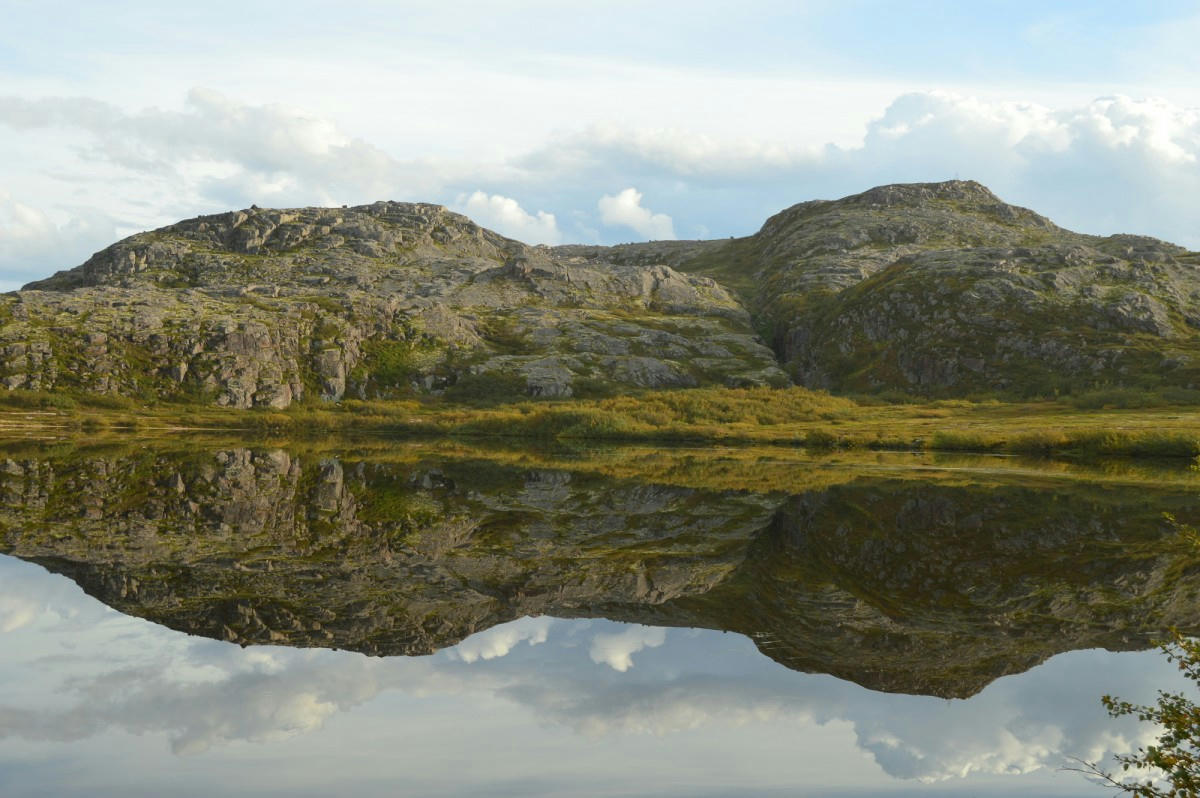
<point x="17" y="612"/>
<point x="28" y="592"/>
<point x="204" y="693"/>
<point x="1016" y="725"/>
<point x="617" y="650"/>
<point x="250" y="704"/>
<point x="499" y="640"/>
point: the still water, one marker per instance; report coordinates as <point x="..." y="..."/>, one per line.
<point x="199" y="617"/>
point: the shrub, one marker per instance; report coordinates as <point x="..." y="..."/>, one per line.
<point x="491" y="387"/>
<point x="1174" y="763"/>
<point x="961" y="442"/>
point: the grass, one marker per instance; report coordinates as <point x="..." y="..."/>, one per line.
<point x="730" y="416"/>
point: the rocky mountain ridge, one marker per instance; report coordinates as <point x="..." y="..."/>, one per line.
<point x="943" y="289"/>
<point x="266" y="307"/>
<point x="933" y="289"/>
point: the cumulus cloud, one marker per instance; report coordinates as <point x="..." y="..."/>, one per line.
<point x="28" y="593"/>
<point x="625" y="209"/>
<point x="617" y="650"/>
<point x="20" y="223"/>
<point x="499" y="640"/>
<point x="229" y="152"/>
<point x="154" y="166"/>
<point x="607" y="149"/>
<point x="1017" y="725"/>
<point x="239" y="701"/>
<point x="1115" y="164"/>
<point x="506" y="216"/>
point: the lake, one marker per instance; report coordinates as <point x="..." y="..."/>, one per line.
<point x="198" y="616"/>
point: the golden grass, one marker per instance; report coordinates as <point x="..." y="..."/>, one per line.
<point x="752" y="416"/>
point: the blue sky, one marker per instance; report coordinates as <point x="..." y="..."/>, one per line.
<point x="605" y="122"/>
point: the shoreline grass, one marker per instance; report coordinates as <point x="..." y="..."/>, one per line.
<point x="727" y="416"/>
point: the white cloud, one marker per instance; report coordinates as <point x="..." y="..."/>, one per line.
<point x="229" y="152"/>
<point x="499" y="640"/>
<point x="1113" y="164"/>
<point x="1023" y="149"/>
<point x="20" y="223"/>
<point x="625" y="209"/>
<point x="1018" y="724"/>
<point x="27" y="597"/>
<point x="617" y="650"/>
<point x="678" y="152"/>
<point x="33" y="244"/>
<point x="506" y="216"/>
<point x="237" y="701"/>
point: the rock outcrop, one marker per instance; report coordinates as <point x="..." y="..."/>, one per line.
<point x="265" y="307"/>
<point x="930" y="289"/>
<point x="942" y="289"/>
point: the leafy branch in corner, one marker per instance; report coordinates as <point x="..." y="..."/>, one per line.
<point x="1174" y="762"/>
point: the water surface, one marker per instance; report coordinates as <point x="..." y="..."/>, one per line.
<point x="376" y="618"/>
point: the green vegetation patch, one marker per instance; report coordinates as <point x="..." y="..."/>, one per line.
<point x="392" y="365"/>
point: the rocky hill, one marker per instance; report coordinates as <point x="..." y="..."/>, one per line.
<point x="266" y="307"/>
<point x="942" y="289"/>
<point x="932" y="289"/>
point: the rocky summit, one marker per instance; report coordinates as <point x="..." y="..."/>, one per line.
<point x="932" y="289"/>
<point x="944" y="290"/>
<point x="266" y="307"/>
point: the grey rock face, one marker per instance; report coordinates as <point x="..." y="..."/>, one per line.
<point x="1060" y="310"/>
<point x="942" y="289"/>
<point x="937" y="289"/>
<point x="1019" y="319"/>
<point x="266" y="307"/>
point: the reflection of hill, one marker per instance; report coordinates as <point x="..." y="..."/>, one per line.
<point x="939" y="590"/>
<point x="904" y="585"/>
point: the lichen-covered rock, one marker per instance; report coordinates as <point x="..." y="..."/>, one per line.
<point x="935" y="289"/>
<point x="267" y="307"/>
<point x="942" y="289"/>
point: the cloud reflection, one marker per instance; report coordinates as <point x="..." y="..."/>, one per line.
<point x="617" y="650"/>
<point x="499" y="640"/>
<point x="17" y="612"/>
<point x="202" y="694"/>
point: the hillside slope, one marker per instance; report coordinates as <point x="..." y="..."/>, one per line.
<point x="942" y="289"/>
<point x="931" y="289"/>
<point x="265" y="307"/>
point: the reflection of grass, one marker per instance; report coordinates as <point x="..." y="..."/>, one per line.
<point x="746" y="416"/>
<point x="494" y="464"/>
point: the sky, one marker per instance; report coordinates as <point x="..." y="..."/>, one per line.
<point x="587" y="122"/>
<point x="538" y="706"/>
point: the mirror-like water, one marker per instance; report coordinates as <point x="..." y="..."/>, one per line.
<point x="624" y="622"/>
